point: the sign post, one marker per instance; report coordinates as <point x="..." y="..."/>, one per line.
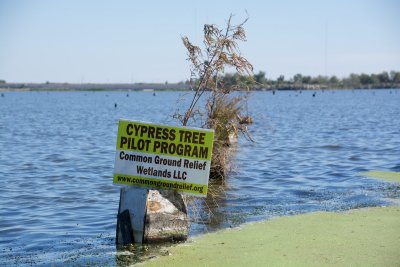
<point x="156" y="156"/>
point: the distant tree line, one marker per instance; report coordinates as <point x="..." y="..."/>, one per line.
<point x="257" y="81"/>
<point x="353" y="81"/>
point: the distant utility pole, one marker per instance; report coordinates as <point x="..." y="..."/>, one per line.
<point x="326" y="50"/>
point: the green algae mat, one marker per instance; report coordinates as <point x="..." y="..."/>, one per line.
<point x="367" y="237"/>
<point x="384" y="175"/>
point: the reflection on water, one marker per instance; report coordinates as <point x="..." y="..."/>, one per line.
<point x="58" y="203"/>
<point x="207" y="213"/>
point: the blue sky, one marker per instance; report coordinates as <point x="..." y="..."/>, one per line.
<point x="140" y="41"/>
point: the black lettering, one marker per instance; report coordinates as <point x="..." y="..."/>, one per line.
<point x="129" y="129"/>
<point x="123" y="141"/>
<point x="158" y="133"/>
<point x="172" y="148"/>
<point x="137" y="129"/>
<point x="195" y="137"/>
<point x="186" y="163"/>
<point x="172" y="135"/>
<point x="143" y="130"/>
<point x="179" y="149"/>
<point x="181" y="132"/>
<point x="187" y="150"/>
<point x="157" y="145"/>
<point x="139" y="169"/>
<point x="164" y="147"/>
<point x="201" y="138"/>
<point x="203" y="152"/>
<point x="150" y="133"/>
<point x="188" y="136"/>
<point x="165" y="133"/>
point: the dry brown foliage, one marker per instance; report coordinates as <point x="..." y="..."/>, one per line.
<point x="223" y="112"/>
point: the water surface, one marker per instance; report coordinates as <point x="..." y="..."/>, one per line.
<point x="58" y="204"/>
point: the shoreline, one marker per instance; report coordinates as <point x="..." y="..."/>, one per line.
<point x="12" y="90"/>
<point x="359" y="237"/>
<point x="154" y="87"/>
<point x="362" y="237"/>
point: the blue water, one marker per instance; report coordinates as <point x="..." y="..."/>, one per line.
<point x="58" y="204"/>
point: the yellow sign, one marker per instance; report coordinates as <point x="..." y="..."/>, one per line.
<point x="162" y="156"/>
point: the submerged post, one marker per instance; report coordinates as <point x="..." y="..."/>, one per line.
<point x="131" y="215"/>
<point x="168" y="159"/>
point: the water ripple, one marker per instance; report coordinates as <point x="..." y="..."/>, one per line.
<point x="58" y="203"/>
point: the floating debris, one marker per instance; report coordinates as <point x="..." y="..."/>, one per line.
<point x="245" y="120"/>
